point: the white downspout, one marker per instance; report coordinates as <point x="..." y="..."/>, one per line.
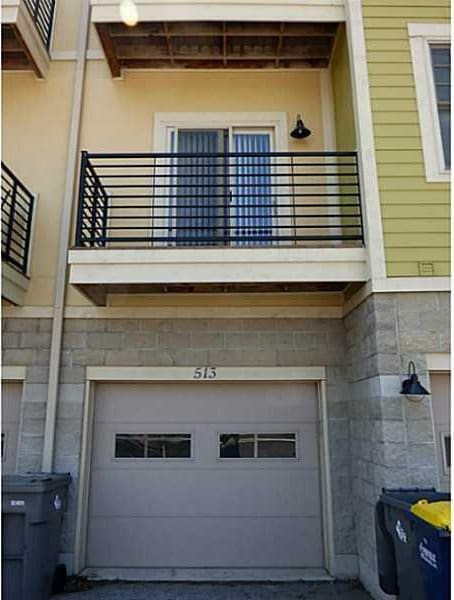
<point x="65" y="233"/>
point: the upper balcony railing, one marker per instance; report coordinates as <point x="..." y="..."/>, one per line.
<point x="42" y="12"/>
<point x="234" y="199"/>
<point x="17" y="215"/>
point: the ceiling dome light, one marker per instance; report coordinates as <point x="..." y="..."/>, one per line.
<point x="129" y="13"/>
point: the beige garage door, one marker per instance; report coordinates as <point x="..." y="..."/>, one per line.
<point x="11" y="413"/>
<point x="199" y="476"/>
<point x="441" y="394"/>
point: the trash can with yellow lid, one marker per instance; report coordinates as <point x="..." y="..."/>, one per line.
<point x="413" y="543"/>
<point x="433" y="535"/>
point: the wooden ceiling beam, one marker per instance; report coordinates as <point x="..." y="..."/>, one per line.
<point x="110" y="49"/>
<point x="169" y="44"/>
<point x="227" y="45"/>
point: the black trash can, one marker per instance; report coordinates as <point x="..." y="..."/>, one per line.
<point x="413" y="554"/>
<point x="32" y="513"/>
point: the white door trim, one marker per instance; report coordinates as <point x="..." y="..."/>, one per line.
<point x="16" y="374"/>
<point x="95" y="375"/>
<point x="219" y="120"/>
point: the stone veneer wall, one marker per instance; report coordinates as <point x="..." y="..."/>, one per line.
<point x="392" y="439"/>
<point x="26" y="342"/>
<point x="181" y="342"/>
<point x="377" y="437"/>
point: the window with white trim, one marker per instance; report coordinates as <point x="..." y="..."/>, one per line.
<point x="257" y="445"/>
<point x="153" y="445"/>
<point x="446" y="451"/>
<point x="441" y="68"/>
<point x="430" y="50"/>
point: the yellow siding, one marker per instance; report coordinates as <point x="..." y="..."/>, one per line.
<point x="415" y="213"/>
<point x="342" y="94"/>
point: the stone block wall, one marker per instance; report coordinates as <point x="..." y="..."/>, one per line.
<point x="221" y="342"/>
<point x="26" y="342"/>
<point x="392" y="439"/>
<point x="377" y="438"/>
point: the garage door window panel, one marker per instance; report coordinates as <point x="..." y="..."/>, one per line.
<point x="153" y="445"/>
<point x="258" y="445"/>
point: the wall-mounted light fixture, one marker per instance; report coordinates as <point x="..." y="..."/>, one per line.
<point x="301" y="131"/>
<point x="129" y="13"/>
<point x="411" y="387"/>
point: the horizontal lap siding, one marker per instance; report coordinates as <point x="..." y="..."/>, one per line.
<point x="415" y="213"/>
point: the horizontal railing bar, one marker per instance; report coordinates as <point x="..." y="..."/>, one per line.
<point x="170" y="240"/>
<point x="214" y="165"/>
<point x="276" y="206"/>
<point x="222" y="227"/>
<point x="6" y="213"/>
<point x="197" y="176"/>
<point x="133" y="155"/>
<point x="243" y="216"/>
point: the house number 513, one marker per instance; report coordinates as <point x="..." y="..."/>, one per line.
<point x="205" y="373"/>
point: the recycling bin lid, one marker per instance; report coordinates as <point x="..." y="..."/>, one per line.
<point x="437" y="514"/>
<point x="34" y="483"/>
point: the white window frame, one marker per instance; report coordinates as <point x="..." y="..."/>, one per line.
<point x="446" y="467"/>
<point x="144" y="459"/>
<point x="422" y="35"/>
<point x="256" y="458"/>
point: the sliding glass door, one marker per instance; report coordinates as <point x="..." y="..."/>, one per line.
<point x="220" y="190"/>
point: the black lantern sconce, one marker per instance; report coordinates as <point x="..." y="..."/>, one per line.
<point x="411" y="387"/>
<point x="301" y="131"/>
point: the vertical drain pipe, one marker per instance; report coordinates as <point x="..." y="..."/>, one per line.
<point x="65" y="233"/>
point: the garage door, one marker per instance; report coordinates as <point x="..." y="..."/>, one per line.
<point x="214" y="475"/>
<point x="11" y="413"/>
<point x="441" y="393"/>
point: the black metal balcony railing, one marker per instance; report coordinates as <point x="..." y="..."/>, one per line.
<point x="17" y="215"/>
<point x="42" y="12"/>
<point x="222" y="199"/>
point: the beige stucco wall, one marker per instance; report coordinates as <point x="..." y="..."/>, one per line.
<point x="118" y="116"/>
<point x="35" y="127"/>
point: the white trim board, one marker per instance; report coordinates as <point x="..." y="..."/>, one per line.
<point x="105" y="11"/>
<point x="373" y="226"/>
<point x="186" y="374"/>
<point x="13" y="373"/>
<point x="438" y="362"/>
<point x="421" y="36"/>
<point x="218" y="120"/>
<point x="220" y="265"/>
<point x="174" y="374"/>
<point x="412" y="284"/>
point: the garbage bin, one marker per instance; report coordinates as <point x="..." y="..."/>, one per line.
<point x="433" y="535"/>
<point x="32" y="513"/>
<point x="406" y="542"/>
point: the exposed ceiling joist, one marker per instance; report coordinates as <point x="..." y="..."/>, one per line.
<point x="217" y="45"/>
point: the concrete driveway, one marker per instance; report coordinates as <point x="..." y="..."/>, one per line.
<point x="226" y="591"/>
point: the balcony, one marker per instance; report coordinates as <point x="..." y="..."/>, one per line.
<point x="226" y="221"/>
<point x="26" y="35"/>
<point x="18" y="205"/>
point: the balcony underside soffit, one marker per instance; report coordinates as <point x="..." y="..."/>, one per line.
<point x="15" y="54"/>
<point x="217" y="45"/>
